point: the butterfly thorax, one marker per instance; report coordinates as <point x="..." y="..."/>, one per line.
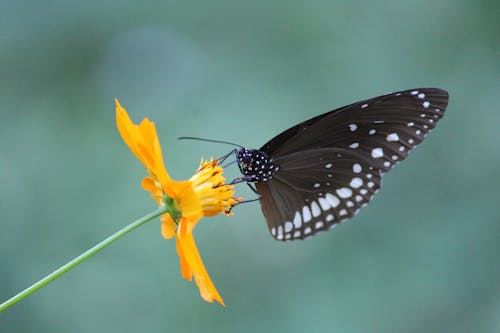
<point x="255" y="165"/>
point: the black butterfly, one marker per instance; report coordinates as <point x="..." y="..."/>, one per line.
<point x="322" y="171"/>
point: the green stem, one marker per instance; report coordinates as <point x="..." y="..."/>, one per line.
<point x="81" y="258"/>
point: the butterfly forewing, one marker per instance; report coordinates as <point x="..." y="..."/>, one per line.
<point x="316" y="189"/>
<point x="384" y="128"/>
<point x="329" y="167"/>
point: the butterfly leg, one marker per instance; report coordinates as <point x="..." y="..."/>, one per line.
<point x="242" y="202"/>
<point x="254" y="190"/>
<point x="239" y="180"/>
<point x="246" y="179"/>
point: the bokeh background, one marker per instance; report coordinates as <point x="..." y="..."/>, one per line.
<point x="422" y="257"/>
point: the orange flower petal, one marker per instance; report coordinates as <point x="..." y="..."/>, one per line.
<point x="167" y="226"/>
<point x="189" y="204"/>
<point x="143" y="142"/>
<point x="190" y="256"/>
<point x="150" y="185"/>
<point x="147" y="130"/>
<point x="185" y="269"/>
<point x="129" y="132"/>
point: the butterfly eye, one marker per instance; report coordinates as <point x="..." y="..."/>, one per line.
<point x="244" y="159"/>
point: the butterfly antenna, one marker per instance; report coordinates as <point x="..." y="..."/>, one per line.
<point x="208" y="140"/>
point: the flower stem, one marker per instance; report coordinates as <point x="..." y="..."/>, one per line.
<point x="81" y="258"/>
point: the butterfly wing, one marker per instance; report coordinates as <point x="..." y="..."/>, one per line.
<point x="313" y="190"/>
<point x="330" y="166"/>
<point x="383" y="129"/>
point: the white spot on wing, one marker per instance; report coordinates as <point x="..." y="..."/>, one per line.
<point x="364" y="106"/>
<point x="356" y="168"/>
<point x="297" y="220"/>
<point x="328" y="166"/>
<point x="329" y="218"/>
<point x="280" y="232"/>
<point x="325" y="205"/>
<point x="356" y="182"/>
<point x="332" y="199"/>
<point x="426" y="104"/>
<point x="392" y="137"/>
<point x="377" y="152"/>
<point x="354" y="145"/>
<point x="316" y="211"/>
<point x="344" y="192"/>
<point x="353" y="127"/>
<point x="288" y="226"/>
<point x="306" y="213"/>
<point x="318" y="225"/>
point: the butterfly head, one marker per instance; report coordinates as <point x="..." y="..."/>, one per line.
<point x="256" y="165"/>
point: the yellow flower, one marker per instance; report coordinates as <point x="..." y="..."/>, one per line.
<point x="204" y="194"/>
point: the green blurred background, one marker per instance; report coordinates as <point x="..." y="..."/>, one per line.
<point x="422" y="257"/>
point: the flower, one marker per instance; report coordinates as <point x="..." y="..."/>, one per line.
<point x="204" y="194"/>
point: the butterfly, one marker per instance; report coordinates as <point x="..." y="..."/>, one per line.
<point x="324" y="170"/>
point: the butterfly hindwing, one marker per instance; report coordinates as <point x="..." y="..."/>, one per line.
<point x="314" y="190"/>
